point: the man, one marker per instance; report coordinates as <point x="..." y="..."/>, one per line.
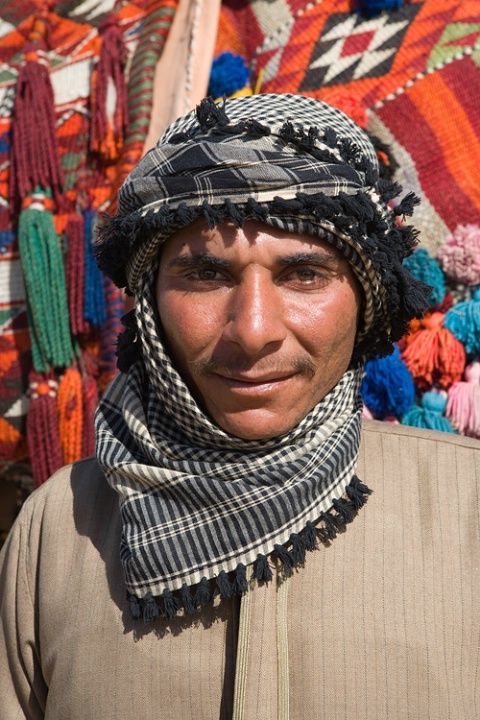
<point x="266" y="263"/>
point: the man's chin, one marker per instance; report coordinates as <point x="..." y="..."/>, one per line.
<point x="256" y="424"/>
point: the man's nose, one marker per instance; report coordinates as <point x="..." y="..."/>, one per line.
<point x="255" y="315"/>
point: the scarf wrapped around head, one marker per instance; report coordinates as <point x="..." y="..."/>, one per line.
<point x="199" y="506"/>
<point x="290" y="162"/>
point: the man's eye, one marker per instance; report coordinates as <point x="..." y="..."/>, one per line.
<point x="308" y="275"/>
<point x="204" y="274"/>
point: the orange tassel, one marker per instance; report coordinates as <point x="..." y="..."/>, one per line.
<point x="70" y="415"/>
<point x="433" y="355"/>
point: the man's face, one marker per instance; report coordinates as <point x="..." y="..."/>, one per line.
<point x="259" y="322"/>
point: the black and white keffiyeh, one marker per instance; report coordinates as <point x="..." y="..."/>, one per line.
<point x="199" y="505"/>
<point x="288" y="161"/>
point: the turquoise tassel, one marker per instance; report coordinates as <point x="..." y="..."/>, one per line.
<point x="463" y="321"/>
<point x="425" y="268"/>
<point x="430" y="414"/>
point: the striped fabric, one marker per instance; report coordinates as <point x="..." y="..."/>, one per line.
<point x="196" y="501"/>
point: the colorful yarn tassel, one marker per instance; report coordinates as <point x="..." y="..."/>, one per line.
<point x="430" y="414"/>
<point x="460" y="254"/>
<point x="463" y="320"/>
<point x="42" y="427"/>
<point x="433" y="354"/>
<point x="463" y="406"/>
<point x="70" y="416"/>
<point x="44" y="276"/>
<point x="387" y="387"/>
<point x="425" y="268"/>
<point x="229" y="74"/>
<point x="371" y="8"/>
<point x="110" y="331"/>
<point x="75" y="272"/>
<point x="35" y="159"/>
<point x="94" y="306"/>
<point x="108" y="124"/>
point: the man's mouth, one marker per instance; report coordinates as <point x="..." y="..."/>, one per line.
<point x="255" y="382"/>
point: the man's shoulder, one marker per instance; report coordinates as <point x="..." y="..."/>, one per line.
<point x="415" y="462"/>
<point x="376" y="430"/>
<point x="74" y="492"/>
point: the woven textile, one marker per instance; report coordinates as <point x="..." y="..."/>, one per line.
<point x="75" y="39"/>
<point x="414" y="69"/>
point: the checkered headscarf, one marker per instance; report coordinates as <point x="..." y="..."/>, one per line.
<point x="199" y="505"/>
<point x="288" y="161"/>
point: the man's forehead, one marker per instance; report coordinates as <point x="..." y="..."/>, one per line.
<point x="198" y="238"/>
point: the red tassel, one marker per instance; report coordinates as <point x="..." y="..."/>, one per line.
<point x="434" y="355"/>
<point x="35" y="159"/>
<point x="42" y="427"/>
<point x="89" y="403"/>
<point x="75" y="272"/>
<point x="108" y="123"/>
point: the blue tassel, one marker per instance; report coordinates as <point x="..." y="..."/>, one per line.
<point x="425" y="268"/>
<point x="463" y="321"/>
<point x="6" y="238"/>
<point x="430" y="414"/>
<point x="229" y="73"/>
<point x="370" y="8"/>
<point x="387" y="387"/>
<point x="94" y="303"/>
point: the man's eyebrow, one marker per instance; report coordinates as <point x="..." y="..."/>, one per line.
<point x="316" y="258"/>
<point x="198" y="260"/>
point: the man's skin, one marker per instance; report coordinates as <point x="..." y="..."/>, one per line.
<point x="260" y="322"/>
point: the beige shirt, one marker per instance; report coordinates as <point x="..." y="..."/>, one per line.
<point x="382" y="624"/>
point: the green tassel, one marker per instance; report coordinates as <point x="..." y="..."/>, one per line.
<point x="44" y="275"/>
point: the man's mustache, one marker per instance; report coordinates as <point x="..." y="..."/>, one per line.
<point x="235" y="366"/>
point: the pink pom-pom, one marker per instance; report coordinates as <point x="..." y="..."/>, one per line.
<point x="459" y="257"/>
<point x="463" y="406"/>
<point x="366" y="414"/>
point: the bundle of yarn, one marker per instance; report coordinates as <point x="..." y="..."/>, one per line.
<point x="76" y="92"/>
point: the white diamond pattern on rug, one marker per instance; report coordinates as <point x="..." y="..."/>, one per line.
<point x="351" y="47"/>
